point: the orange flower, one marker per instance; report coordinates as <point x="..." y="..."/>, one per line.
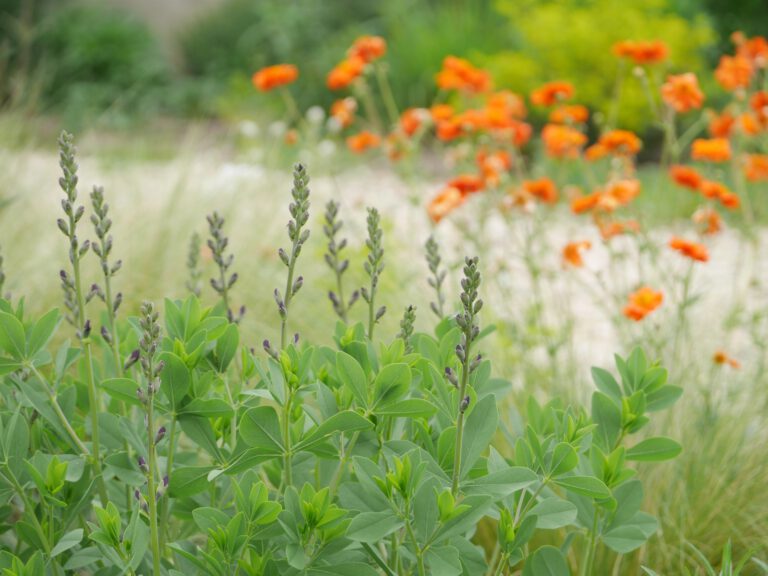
<point x="733" y="72"/>
<point x="569" y="114"/>
<point x="692" y="250"/>
<point x="730" y="200"/>
<point x="344" y="111"/>
<point x="757" y="167"/>
<point x="682" y="92"/>
<point x="721" y="357"/>
<point x="449" y="129"/>
<point x="755" y="50"/>
<point x="595" y="152"/>
<point x="642" y="302"/>
<point x="291" y="137"/>
<point x="615" y="228"/>
<point x="717" y="191"/>
<point x="686" y="177"/>
<point x="467" y="183"/>
<point x="722" y="125"/>
<point x="346" y="72"/>
<point x="712" y="149"/>
<point x="572" y="253"/>
<point x="460" y="74"/>
<point x="759" y="103"/>
<point x="272" y="77"/>
<point x="411" y="119"/>
<point x="621" y="142"/>
<point x="363" y="141"/>
<point x="552" y="93"/>
<point x="368" y="48"/>
<point x="585" y="203"/>
<point x="543" y="189"/>
<point x="441" y="112"/>
<point x="444" y="203"/>
<point x="749" y="124"/>
<point x="622" y="192"/>
<point x="562" y="141"/>
<point x="708" y="220"/>
<point x="642" y="52"/>
<point x="493" y="165"/>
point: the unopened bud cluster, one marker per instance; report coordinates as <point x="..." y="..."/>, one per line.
<point x="148" y="345"/>
<point x="218" y="243"/>
<point x="374" y="264"/>
<point x="406" y="326"/>
<point x="331" y="228"/>
<point x="193" y="265"/>
<point x="438" y="276"/>
<point x="68" y="183"/>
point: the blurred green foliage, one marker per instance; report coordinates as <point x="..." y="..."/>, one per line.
<point x="572" y="40"/>
<point x="99" y="59"/>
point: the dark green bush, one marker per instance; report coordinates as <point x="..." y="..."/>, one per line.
<point x="98" y="59"/>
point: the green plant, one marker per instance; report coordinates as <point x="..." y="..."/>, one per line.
<point x="351" y="456"/>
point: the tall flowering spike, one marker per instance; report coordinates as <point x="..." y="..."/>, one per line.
<point x="471" y="305"/>
<point x="331" y="228"/>
<point x="438" y="276"/>
<point x="406" y="326"/>
<point x="193" y="283"/>
<point x="373" y="265"/>
<point x="148" y="345"/>
<point x="299" y="210"/>
<point x="470" y="330"/>
<point x="218" y="243"/>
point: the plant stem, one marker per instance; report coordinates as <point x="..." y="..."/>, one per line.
<point x="376" y="558"/>
<point x="342" y="464"/>
<point x="460" y="422"/>
<point x="592" y="547"/>
<point x="151" y="491"/>
<point x="386" y="93"/>
<point x="288" y="479"/>
<point x="60" y="413"/>
<point x="166" y="510"/>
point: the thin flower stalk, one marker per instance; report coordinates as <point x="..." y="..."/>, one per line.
<point x="373" y="266"/>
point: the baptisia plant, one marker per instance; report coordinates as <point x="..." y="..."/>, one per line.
<point x="163" y="444"/>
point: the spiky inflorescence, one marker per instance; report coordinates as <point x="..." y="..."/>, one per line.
<point x="148" y="346"/>
<point x="406" y="326"/>
<point x="218" y="243"/>
<point x="438" y="276"/>
<point x="373" y="265"/>
<point x="331" y="228"/>
<point x="298" y="235"/>
<point x="102" y="224"/>
<point x="193" y="283"/>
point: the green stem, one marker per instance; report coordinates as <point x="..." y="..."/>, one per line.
<point x="386" y="93"/>
<point x="166" y="505"/>
<point x="60" y="413"/>
<point x="588" y="565"/>
<point x="151" y="490"/>
<point x="418" y="551"/>
<point x="500" y="566"/>
<point x="460" y="422"/>
<point x="288" y="479"/>
<point x="342" y="464"/>
<point x="10" y="477"/>
<point x="376" y="558"/>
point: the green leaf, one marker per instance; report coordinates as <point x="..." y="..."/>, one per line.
<point x="175" y="378"/>
<point x="546" y="561"/>
<point x="553" y="513"/>
<point x="12" y="338"/>
<point x="411" y="408"/>
<point x="444" y="560"/>
<point x="478" y="507"/>
<point x="69" y="540"/>
<point x="260" y="427"/>
<point x="123" y="389"/>
<point x="564" y="459"/>
<point x="186" y="482"/>
<point x="226" y="347"/>
<point x="352" y="376"/>
<point x="42" y="332"/>
<point x="654" y="450"/>
<point x="7" y="366"/>
<point x="479" y="430"/>
<point x="201" y="433"/>
<point x="207" y="408"/>
<point x="500" y="484"/>
<point x="373" y="526"/>
<point x="607" y="415"/>
<point x="392" y="383"/>
<point x="350" y="569"/>
<point x="209" y="518"/>
<point x="606" y="383"/>
<point x="662" y="398"/>
<point x="585" y="485"/>
<point x="346" y="421"/>
<point x="624" y="539"/>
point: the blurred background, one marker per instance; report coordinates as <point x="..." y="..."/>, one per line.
<point x="123" y="62"/>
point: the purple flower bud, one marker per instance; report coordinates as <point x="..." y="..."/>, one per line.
<point x="143" y="464"/>
<point x="160" y="434"/>
<point x="132" y="359"/>
<point x="464" y="404"/>
<point x="87" y="329"/>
